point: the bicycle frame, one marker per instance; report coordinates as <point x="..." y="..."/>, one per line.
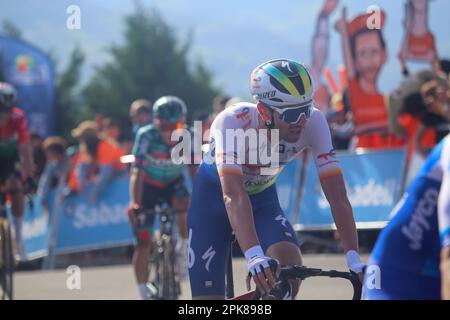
<point x="167" y="284"/>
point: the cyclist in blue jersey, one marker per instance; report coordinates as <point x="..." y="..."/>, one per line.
<point x="416" y="242"/>
<point x="233" y="192"/>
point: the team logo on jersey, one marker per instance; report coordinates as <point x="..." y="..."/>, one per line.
<point x="243" y="114"/>
<point x="328" y="155"/>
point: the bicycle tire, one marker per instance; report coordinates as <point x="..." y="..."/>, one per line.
<point x="169" y="288"/>
<point x="7" y="267"/>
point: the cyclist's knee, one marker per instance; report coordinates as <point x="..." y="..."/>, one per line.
<point x="14" y="185"/>
<point x="181" y="204"/>
<point x="286" y="253"/>
<point x="144" y="242"/>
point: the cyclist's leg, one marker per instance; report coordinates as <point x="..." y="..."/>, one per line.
<point x="180" y="201"/>
<point x="15" y="187"/>
<point x="144" y="243"/>
<point x="179" y="197"/>
<point x="277" y="237"/>
<point x="209" y="239"/>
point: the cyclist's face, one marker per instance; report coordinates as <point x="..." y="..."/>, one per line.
<point x="4" y="118"/>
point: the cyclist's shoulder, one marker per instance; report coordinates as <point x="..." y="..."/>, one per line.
<point x="445" y="155"/>
<point x="238" y="115"/>
<point x="147" y="131"/>
<point x="17" y="114"/>
<point x="317" y="124"/>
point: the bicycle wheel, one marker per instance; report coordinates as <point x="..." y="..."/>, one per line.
<point x="7" y="265"/>
<point x="169" y="289"/>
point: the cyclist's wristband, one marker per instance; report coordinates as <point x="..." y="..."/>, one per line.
<point x="255" y="251"/>
<point x="354" y="261"/>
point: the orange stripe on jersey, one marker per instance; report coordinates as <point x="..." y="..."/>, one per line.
<point x="329" y="173"/>
<point x="234" y="171"/>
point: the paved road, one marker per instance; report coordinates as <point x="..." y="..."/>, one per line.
<point x="116" y="282"/>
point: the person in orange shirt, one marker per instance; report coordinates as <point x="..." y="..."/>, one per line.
<point x="364" y="54"/>
<point x="98" y="160"/>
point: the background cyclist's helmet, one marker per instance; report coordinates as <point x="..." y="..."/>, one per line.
<point x="281" y="82"/>
<point x="169" y="109"/>
<point x="8" y="96"/>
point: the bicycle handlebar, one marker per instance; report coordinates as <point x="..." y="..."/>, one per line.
<point x="302" y="272"/>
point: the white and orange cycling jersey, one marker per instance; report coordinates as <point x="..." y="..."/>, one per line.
<point x="228" y="155"/>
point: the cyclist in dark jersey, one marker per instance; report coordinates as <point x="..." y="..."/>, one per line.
<point x="155" y="177"/>
<point x="15" y="150"/>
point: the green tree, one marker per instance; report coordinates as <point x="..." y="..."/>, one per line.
<point x="151" y="63"/>
<point x="67" y="100"/>
<point x="11" y="30"/>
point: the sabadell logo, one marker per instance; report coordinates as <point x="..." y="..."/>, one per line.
<point x="24" y="63"/>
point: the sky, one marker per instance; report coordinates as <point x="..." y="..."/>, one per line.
<point x="229" y="37"/>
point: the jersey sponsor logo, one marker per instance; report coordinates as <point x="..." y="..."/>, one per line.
<point x="327" y="155"/>
<point x="419" y="222"/>
<point x="255" y="82"/>
<point x="191" y="254"/>
<point x="208" y="256"/>
<point x="243" y="114"/>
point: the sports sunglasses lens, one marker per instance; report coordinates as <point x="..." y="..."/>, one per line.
<point x="293" y="115"/>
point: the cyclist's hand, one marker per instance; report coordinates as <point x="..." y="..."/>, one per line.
<point x="261" y="273"/>
<point x="133" y="211"/>
<point x="30" y="186"/>
<point x="275" y="268"/>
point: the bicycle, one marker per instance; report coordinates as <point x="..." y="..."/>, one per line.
<point x="7" y="257"/>
<point x="282" y="288"/>
<point x="165" y="284"/>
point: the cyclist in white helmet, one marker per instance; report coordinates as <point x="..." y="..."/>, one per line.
<point x="238" y="185"/>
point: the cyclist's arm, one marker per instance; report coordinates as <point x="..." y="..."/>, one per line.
<point x="444" y="220"/>
<point x="136" y="184"/>
<point x="26" y="157"/>
<point x="239" y="209"/>
<point x="333" y="186"/>
<point x="24" y="147"/>
<point x="334" y="189"/>
<point x="237" y="201"/>
<point x="137" y="170"/>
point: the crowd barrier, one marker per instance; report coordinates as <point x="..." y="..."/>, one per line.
<point x="374" y="181"/>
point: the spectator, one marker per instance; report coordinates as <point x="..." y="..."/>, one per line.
<point x="339" y="119"/>
<point x="140" y="113"/>
<point x="99" y="159"/>
<point x="38" y="153"/>
<point x="56" y="168"/>
<point x="406" y="107"/>
<point x="111" y="129"/>
<point x="219" y="104"/>
<point x="436" y="98"/>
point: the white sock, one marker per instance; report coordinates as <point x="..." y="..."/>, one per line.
<point x="17" y="222"/>
<point x="143" y="291"/>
